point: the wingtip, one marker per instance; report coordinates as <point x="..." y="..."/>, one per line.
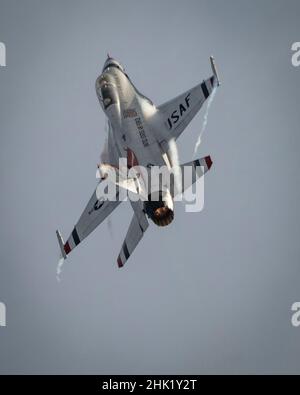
<point x="214" y="69"/>
<point x="61" y="244"/>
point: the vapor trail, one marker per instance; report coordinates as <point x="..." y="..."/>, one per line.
<point x="59" y="268"/>
<point x="105" y="159"/>
<point x="104" y="152"/>
<point x="205" y="119"/>
<point x="175" y="164"/>
<point x="110" y="227"/>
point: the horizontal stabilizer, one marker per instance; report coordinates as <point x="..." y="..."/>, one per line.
<point x="136" y="230"/>
<point x="192" y="171"/>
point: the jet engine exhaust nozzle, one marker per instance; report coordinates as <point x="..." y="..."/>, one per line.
<point x="158" y="210"/>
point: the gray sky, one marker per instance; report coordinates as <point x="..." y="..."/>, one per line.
<point x="212" y="292"/>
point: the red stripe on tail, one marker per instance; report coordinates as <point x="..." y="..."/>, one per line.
<point x="120" y="264"/>
<point x="208" y="162"/>
<point x="67" y="248"/>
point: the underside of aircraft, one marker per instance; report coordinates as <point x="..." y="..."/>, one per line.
<point x="143" y="136"/>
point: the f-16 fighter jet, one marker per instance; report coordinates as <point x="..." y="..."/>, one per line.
<point x="141" y="134"/>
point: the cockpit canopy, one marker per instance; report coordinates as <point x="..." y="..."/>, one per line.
<point x="106" y="90"/>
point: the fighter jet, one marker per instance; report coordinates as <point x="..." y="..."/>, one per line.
<point x="141" y="133"/>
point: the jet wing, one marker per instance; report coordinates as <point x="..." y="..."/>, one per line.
<point x="136" y="230"/>
<point x="94" y="214"/>
<point x="178" y="112"/>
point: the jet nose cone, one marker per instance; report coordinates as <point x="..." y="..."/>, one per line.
<point x="110" y="58"/>
<point x="111" y="61"/>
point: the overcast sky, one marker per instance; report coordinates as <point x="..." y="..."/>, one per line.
<point x="212" y="292"/>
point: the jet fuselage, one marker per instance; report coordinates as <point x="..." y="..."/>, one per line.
<point x="133" y="119"/>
